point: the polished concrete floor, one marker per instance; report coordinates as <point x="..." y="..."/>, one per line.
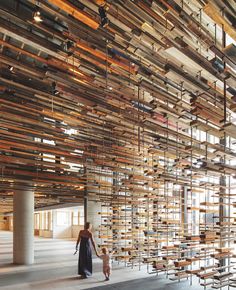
<point x="56" y="268"/>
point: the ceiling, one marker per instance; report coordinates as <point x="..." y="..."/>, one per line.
<point x="100" y="89"/>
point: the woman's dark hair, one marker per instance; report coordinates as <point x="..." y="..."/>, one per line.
<point x="87" y="225"/>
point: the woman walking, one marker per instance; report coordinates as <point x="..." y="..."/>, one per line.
<point x="85" y="239"/>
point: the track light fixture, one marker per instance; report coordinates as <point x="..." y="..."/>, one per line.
<point x="68" y="47"/>
<point x="199" y="163"/>
<point x="103" y="16"/>
<point x="54" y="90"/>
<point x="37" y="16"/>
<point x="11" y="68"/>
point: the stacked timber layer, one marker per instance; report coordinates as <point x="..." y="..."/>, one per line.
<point x="136" y="111"/>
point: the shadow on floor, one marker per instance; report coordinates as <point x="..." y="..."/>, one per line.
<point x="63" y="283"/>
<point x="151" y="283"/>
<point x="7" y="266"/>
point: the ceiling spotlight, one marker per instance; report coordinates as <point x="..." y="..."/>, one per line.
<point x="54" y="90"/>
<point x="37" y="16"/>
<point x="103" y="16"/>
<point x="110" y="88"/>
<point x="199" y="163"/>
<point x="104" y="22"/>
<point x="68" y="47"/>
<point x="132" y="64"/>
<point x="11" y="68"/>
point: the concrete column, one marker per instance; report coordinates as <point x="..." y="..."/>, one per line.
<point x="23" y="227"/>
<point x="184" y="213"/>
<point x="93" y="216"/>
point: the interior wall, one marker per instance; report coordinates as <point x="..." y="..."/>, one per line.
<point x="62" y="224"/>
<point x="52" y="224"/>
<point x="45" y="234"/>
<point x="10" y="223"/>
<point x="75" y="231"/>
<point x="3" y="223"/>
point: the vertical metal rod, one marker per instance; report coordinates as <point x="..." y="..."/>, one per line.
<point x="138" y="118"/>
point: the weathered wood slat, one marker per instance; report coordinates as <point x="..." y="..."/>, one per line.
<point x="75" y="12"/>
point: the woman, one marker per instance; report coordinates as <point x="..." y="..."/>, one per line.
<point x="85" y="239"/>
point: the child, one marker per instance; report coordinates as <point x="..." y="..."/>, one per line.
<point x="106" y="259"/>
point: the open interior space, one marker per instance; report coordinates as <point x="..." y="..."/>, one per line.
<point x="117" y="144"/>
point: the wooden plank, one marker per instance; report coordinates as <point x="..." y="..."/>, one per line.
<point x="75" y="12"/>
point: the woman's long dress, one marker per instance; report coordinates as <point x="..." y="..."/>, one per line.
<point x="85" y="257"/>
